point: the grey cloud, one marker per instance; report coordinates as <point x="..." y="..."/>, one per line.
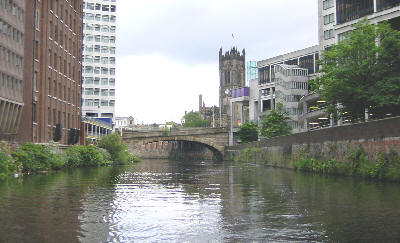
<point x="192" y="31"/>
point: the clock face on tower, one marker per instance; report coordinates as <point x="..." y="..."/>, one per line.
<point x="227" y="91"/>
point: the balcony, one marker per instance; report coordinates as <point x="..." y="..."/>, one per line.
<point x="241" y="92"/>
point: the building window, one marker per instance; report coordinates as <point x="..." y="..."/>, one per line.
<point x="385" y="4"/>
<point x="330" y="18"/>
<point x="348" y="10"/>
<point x="329" y="34"/>
<point x="327" y="4"/>
<point x="37" y="19"/>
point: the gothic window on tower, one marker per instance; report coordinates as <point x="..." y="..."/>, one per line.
<point x="227" y="77"/>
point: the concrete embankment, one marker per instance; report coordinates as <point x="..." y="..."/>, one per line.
<point x="375" y="137"/>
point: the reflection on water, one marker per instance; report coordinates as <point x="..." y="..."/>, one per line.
<point x="164" y="201"/>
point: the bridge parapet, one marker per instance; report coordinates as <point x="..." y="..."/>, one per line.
<point x="173" y="132"/>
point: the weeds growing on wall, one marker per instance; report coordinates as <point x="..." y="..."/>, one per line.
<point x="356" y="164"/>
<point x="248" y="155"/>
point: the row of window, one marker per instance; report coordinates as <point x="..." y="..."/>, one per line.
<point x="98" y="59"/>
<point x="98" y="102"/>
<point x="63" y="13"/>
<point x="328" y="4"/>
<point x="60" y="91"/>
<point x="61" y="37"/>
<point x="13" y="9"/>
<point x="98" y="27"/>
<point x="60" y="63"/>
<point x="99" y="49"/>
<point x="329" y="34"/>
<point x="98" y="70"/>
<point x="54" y="117"/>
<point x="99" y="38"/>
<point x="98" y="6"/>
<point x="102" y="92"/>
<point x="11" y="32"/>
<point x="99" y="17"/>
<point x="10" y="82"/>
<point x="10" y="57"/>
<point x="97" y="81"/>
<point x="330" y="18"/>
<point x="293" y="85"/>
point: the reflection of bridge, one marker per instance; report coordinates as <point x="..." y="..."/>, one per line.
<point x="214" y="139"/>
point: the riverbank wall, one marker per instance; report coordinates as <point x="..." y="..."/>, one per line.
<point x="375" y="137"/>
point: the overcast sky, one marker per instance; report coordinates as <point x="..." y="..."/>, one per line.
<point x="167" y="50"/>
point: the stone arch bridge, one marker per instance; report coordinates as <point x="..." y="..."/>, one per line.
<point x="215" y="139"/>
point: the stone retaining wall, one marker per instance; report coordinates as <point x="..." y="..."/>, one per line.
<point x="338" y="142"/>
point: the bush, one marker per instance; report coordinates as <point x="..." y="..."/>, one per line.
<point x="118" y="151"/>
<point x="36" y="158"/>
<point x="248" y="132"/>
<point x="87" y="156"/>
<point x="7" y="165"/>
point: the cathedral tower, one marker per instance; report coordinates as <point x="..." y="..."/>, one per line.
<point x="231" y="76"/>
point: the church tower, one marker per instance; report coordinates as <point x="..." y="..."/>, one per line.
<point x="231" y="76"/>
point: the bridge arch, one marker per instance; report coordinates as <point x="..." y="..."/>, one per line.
<point x="218" y="155"/>
<point x="214" y="139"/>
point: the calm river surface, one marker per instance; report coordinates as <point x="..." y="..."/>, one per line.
<point x="165" y="201"/>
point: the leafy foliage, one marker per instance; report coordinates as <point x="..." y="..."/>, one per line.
<point x="36" y="158"/>
<point x="248" y="132"/>
<point x="7" y="165"/>
<point x="275" y="123"/>
<point x="194" y="119"/>
<point x="360" y="73"/>
<point x="87" y="156"/>
<point x="118" y="151"/>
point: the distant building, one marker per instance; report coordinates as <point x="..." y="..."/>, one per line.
<point x="284" y="79"/>
<point x="12" y="29"/>
<point x="232" y="74"/>
<point x="211" y="114"/>
<point x="99" y="44"/>
<point x="124" y="122"/>
<point x="52" y="71"/>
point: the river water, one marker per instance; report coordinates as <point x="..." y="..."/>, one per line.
<point x="165" y="201"/>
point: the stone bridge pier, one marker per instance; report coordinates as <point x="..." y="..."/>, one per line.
<point x="215" y="139"/>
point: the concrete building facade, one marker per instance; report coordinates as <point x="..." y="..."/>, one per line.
<point x="99" y="58"/>
<point x="52" y="77"/>
<point x="283" y="79"/>
<point x="12" y="29"/>
<point x="337" y="17"/>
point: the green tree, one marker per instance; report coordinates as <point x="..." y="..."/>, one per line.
<point x="248" y="132"/>
<point x="362" y="71"/>
<point x="275" y="123"/>
<point x="194" y="119"/>
<point x="118" y="150"/>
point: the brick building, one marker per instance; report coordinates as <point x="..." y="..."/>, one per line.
<point x="11" y="68"/>
<point x="52" y="77"/>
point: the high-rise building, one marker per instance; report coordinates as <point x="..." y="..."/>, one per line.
<point x="12" y="16"/>
<point x="99" y="59"/>
<point x="337" y="17"/>
<point x="52" y="71"/>
<point x="232" y="74"/>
